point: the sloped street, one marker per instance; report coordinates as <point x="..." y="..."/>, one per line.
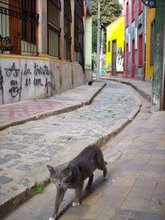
<point x="135" y="185"/>
<point x="27" y="148"/>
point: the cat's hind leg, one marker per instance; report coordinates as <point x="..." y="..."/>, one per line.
<point x="105" y="171"/>
<point x="90" y="181"/>
<point x="101" y="165"/>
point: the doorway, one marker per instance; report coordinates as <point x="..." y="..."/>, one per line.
<point x="133" y="59"/>
<point x="113" y="57"/>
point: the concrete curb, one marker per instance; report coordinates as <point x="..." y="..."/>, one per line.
<point x="51" y="113"/>
<point x="141" y="92"/>
<point x="27" y="193"/>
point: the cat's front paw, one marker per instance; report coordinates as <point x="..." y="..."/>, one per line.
<point x="75" y="204"/>
<point x="51" y="218"/>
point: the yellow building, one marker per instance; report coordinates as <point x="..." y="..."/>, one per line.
<point x="150" y="25"/>
<point x="115" y="47"/>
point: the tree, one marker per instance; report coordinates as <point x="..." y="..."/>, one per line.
<point x="109" y="11"/>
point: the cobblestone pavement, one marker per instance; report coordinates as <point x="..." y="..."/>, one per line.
<point x="25" y="148"/>
<point x="20" y="112"/>
<point x="143" y="87"/>
<point x="135" y="185"/>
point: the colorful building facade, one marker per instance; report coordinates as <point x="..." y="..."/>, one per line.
<point x="115" y="47"/>
<point x="135" y="23"/>
<point x="150" y="29"/>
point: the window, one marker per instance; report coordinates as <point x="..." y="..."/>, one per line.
<point x="133" y="10"/>
<point x="140" y="6"/>
<point x="54" y="8"/>
<point x="126" y="59"/>
<point x="79" y="32"/>
<point x="152" y="43"/>
<point x="140" y="50"/>
<point x="109" y="46"/>
<point x="28" y="21"/>
<point x="67" y="29"/>
<point x="127" y="12"/>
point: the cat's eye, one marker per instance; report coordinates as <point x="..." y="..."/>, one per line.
<point x="67" y="180"/>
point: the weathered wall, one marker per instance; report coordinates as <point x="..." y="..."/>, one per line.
<point x="157" y="87"/>
<point x="134" y="29"/>
<point x="23" y="79"/>
<point x="88" y="46"/>
<point x="115" y="31"/>
<point x="148" y="66"/>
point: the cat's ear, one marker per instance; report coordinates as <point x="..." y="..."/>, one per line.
<point x="50" y="168"/>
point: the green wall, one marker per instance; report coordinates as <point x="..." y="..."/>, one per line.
<point x="158" y="53"/>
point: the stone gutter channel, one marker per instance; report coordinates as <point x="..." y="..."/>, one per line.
<point x="40" y="173"/>
<point x="139" y="86"/>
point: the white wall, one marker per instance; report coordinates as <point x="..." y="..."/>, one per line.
<point x="24" y="79"/>
<point x="88" y="46"/>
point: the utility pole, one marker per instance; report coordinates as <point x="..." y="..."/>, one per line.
<point x="98" y="42"/>
<point x="102" y="49"/>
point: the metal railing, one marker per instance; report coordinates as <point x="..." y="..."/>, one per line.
<point x="18" y="27"/>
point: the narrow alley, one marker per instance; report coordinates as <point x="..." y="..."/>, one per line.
<point x="76" y="73"/>
<point x="135" y="185"/>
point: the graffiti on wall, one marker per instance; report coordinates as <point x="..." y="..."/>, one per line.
<point x="119" y="60"/>
<point x="1" y="85"/>
<point x="18" y="79"/>
<point x="38" y="72"/>
<point x="13" y="73"/>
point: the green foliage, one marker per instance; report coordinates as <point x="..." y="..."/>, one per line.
<point x="39" y="189"/>
<point x="94" y="38"/>
<point x="109" y="11"/>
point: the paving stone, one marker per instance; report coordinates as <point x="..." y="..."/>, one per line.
<point x="24" y="167"/>
<point x="69" y="217"/>
<point x="125" y="214"/>
<point x="67" y="130"/>
<point x="90" y="200"/>
<point x="106" y="213"/>
<point x="130" y="214"/>
<point x="24" y="182"/>
<point x="5" y="179"/>
<point x="149" y="216"/>
<point x="78" y="210"/>
<point x="139" y="204"/>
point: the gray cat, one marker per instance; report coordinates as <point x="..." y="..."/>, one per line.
<point x="73" y="174"/>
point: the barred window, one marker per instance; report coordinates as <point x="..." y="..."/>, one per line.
<point x="67" y="29"/>
<point x="54" y="8"/>
<point x="28" y="25"/>
<point x="127" y="14"/>
<point x="18" y="27"/>
<point x="140" y="51"/>
<point x="133" y="11"/>
<point x="79" y="32"/>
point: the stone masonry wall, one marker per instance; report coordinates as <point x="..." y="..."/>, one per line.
<point x="24" y="79"/>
